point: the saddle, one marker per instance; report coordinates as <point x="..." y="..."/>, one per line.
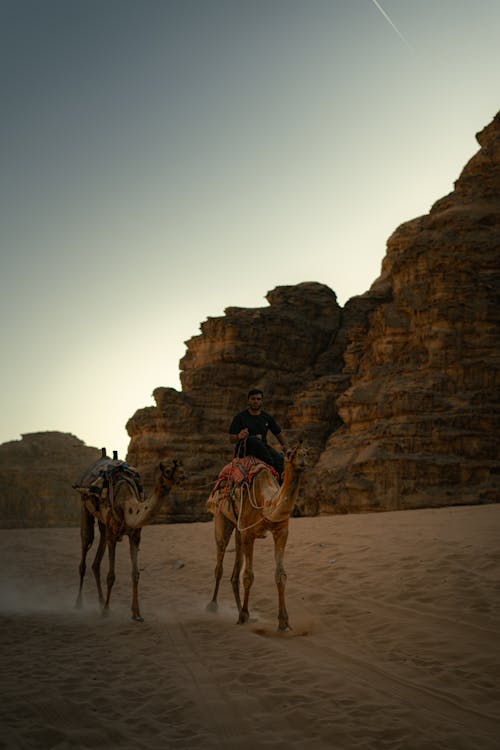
<point x="241" y="471"/>
<point x="99" y="480"/>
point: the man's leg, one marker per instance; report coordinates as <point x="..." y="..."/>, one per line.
<point x="254" y="446"/>
<point x="277" y="460"/>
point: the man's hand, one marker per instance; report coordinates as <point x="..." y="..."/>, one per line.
<point x="284" y="445"/>
<point x="244" y="433"/>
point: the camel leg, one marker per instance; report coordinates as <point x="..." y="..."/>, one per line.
<point x="235" y="577"/>
<point x="96" y="565"/>
<point x="87" y="538"/>
<point x="134" y="541"/>
<point x="248" y="542"/>
<point x="111" y="572"/>
<point x="280" y="536"/>
<point x="223" y="530"/>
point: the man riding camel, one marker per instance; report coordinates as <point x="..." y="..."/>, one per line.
<point x="248" y="431"/>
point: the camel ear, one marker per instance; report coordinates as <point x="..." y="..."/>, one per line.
<point x="162" y="466"/>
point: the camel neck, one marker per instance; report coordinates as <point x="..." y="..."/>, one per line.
<point x="287" y="495"/>
<point x="138" y="514"/>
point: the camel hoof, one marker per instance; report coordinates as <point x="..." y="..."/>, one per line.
<point x="284" y="628"/>
<point x="137" y="618"/>
<point x="243" y="618"/>
<point x="212" y="607"/>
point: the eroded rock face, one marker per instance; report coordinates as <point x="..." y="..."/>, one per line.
<point x="421" y="414"/>
<point x="36" y="477"/>
<point x="395" y="394"/>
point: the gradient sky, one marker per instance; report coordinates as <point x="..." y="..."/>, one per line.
<point x="162" y="160"/>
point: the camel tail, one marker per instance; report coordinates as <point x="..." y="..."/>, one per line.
<point x="87" y="539"/>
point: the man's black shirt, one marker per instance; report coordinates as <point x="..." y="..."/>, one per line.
<point x="257" y="424"/>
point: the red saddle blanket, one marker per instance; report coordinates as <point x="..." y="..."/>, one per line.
<point x="240" y="471"/>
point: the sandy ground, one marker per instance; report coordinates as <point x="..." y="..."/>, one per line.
<point x="395" y="640"/>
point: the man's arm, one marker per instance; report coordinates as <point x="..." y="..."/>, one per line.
<point x="281" y="439"/>
<point x="241" y="435"/>
<point x="237" y="430"/>
<point x="277" y="432"/>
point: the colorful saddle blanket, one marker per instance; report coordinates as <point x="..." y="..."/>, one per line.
<point x="233" y="476"/>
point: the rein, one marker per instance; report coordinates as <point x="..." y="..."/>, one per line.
<point x="253" y="502"/>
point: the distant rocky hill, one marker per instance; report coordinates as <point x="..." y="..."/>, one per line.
<point x="396" y="393"/>
<point x="36" y="474"/>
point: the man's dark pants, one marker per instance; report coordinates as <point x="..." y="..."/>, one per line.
<point x="253" y="446"/>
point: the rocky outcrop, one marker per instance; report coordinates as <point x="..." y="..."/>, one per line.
<point x="420" y="417"/>
<point x="36" y="477"/>
<point x="395" y="394"/>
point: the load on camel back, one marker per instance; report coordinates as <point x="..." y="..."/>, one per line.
<point x="112" y="494"/>
<point x="97" y="484"/>
<point x="248" y="499"/>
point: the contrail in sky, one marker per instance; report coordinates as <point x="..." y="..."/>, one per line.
<point x="392" y="24"/>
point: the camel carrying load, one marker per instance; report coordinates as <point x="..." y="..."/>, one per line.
<point x="112" y="494"/>
<point x="248" y="499"/>
<point x="96" y="486"/>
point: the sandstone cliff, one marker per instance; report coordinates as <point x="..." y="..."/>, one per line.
<point x="36" y="474"/>
<point x="421" y="414"/>
<point x="396" y="394"/>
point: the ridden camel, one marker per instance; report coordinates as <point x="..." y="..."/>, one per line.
<point x="252" y="510"/>
<point x="112" y="494"/>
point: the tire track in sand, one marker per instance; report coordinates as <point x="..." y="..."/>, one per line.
<point x="433" y="701"/>
<point x="228" y="715"/>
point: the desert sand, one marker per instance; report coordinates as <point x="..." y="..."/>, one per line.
<point x="395" y="640"/>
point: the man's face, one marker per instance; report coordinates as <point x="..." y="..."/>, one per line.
<point x="255" y="402"/>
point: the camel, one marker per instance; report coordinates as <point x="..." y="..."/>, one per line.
<point x="111" y="493"/>
<point x="252" y="510"/>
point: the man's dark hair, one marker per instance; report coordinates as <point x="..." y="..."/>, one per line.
<point x="255" y="392"/>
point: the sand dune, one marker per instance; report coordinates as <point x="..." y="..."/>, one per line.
<point x="394" y="643"/>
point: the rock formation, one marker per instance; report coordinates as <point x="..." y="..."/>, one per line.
<point x="274" y="347"/>
<point x="396" y="394"/>
<point x="421" y="413"/>
<point x="36" y="477"/>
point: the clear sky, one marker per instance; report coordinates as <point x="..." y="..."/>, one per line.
<point x="162" y="160"/>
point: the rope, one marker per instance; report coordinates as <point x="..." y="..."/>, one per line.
<point x="200" y="486"/>
<point x="259" y="507"/>
<point x="241" y="451"/>
<point x="250" y="491"/>
<point x="228" y="491"/>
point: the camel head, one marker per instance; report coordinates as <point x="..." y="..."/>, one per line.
<point x="171" y="473"/>
<point x="297" y="457"/>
